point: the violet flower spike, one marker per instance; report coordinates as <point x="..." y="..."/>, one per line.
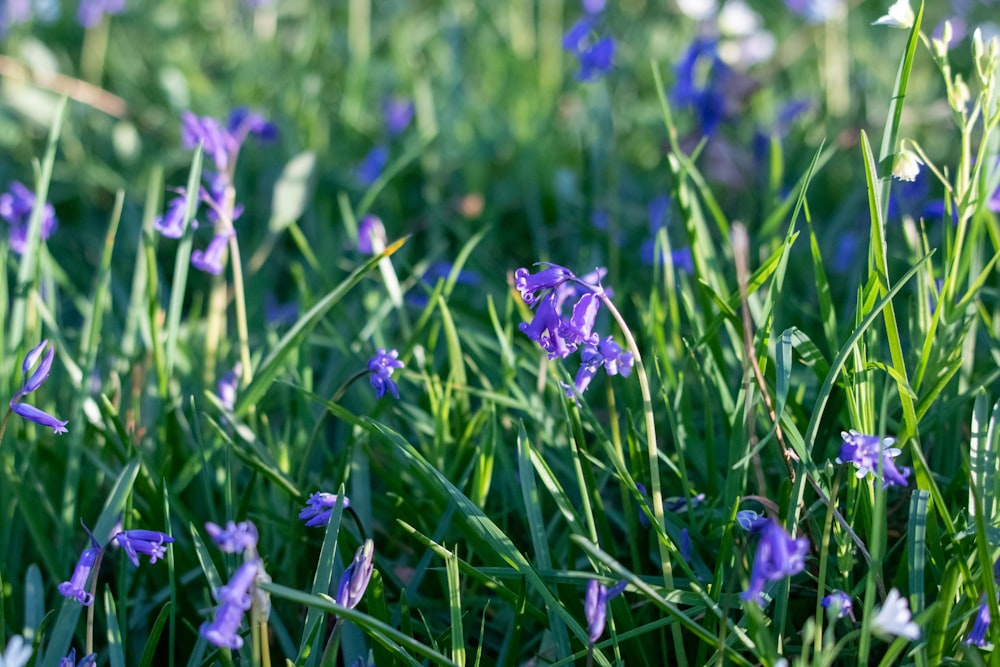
<point x="778" y="556"/>
<point x="354" y="581"/>
<point x="595" y="606"/>
<point x="864" y="451"/>
<point x="235" y="537"/>
<point x="149" y="542"/>
<point x="210" y="260"/>
<point x="319" y="507"/>
<point x="381" y="367"/>
<point x="32" y="381"/>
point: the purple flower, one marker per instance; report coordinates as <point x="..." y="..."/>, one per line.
<point x="235" y="598"/>
<point x="210" y="260"/>
<point x="750" y="521"/>
<point x="171" y="223"/>
<point x="13" y="12"/>
<point x="382" y="366"/>
<point x="607" y="354"/>
<point x="90" y="12"/>
<point x="31" y="382"/>
<point x="354" y="581"/>
<point x="70" y="660"/>
<point x="222" y="143"/>
<point x="977" y="637"/>
<point x="576" y="34"/>
<point x="235" y="537"/>
<point x="841" y="603"/>
<point x="594" y="6"/>
<point x="150" y="542"/>
<point x="229" y="384"/>
<point x="319" y="507"/>
<point x="596" y="59"/>
<point x="706" y="99"/>
<point x="865" y="452"/>
<point x="372" y="165"/>
<point x="595" y="606"/>
<point x="371" y="235"/>
<point x="778" y="556"/>
<point x="547" y="290"/>
<point x="76" y="587"/>
<point x="15" y="207"/>
<point x="397" y="114"/>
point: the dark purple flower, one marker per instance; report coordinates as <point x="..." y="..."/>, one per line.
<point x="397" y="113"/>
<point x="32" y="381"/>
<point x="150" y="542"/>
<point x="372" y="165"/>
<point x="865" y="452"/>
<point x="171" y="223"/>
<point x="382" y="366"/>
<point x="595" y="606"/>
<point x="15" y="207"/>
<point x="70" y="660"/>
<point x="235" y="598"/>
<point x="705" y="98"/>
<point x="90" y="12"/>
<point x="354" y="581"/>
<point x="319" y="507"/>
<point x="778" y="556"/>
<point x="235" y="537"/>
<point x="607" y="354"/>
<point x="210" y="260"/>
<point x="596" y="59"/>
<point x="977" y="637"/>
<point x="841" y="603"/>
<point x="76" y="587"/>
<point x="243" y="123"/>
<point x="371" y="235"/>
<point x="578" y="32"/>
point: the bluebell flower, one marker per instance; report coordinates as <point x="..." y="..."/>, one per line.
<point x="90" y="12"/>
<point x="319" y="507"/>
<point x="578" y="32"/>
<point x="76" y="587"/>
<point x="706" y="99"/>
<point x="382" y="366"/>
<point x="546" y="291"/>
<point x="865" y="451"/>
<point x="32" y="381"/>
<point x="841" y="603"/>
<point x="595" y="606"/>
<point x="171" y="223"/>
<point x="609" y="355"/>
<point x="596" y="59"/>
<point x="750" y="521"/>
<point x="235" y="537"/>
<point x="222" y="142"/>
<point x="977" y="637"/>
<point x="235" y="599"/>
<point x="354" y="580"/>
<point x="371" y="235"/>
<point x="228" y="386"/>
<point x="149" y="542"/>
<point x="70" y="660"/>
<point x="17" y="653"/>
<point x="210" y="259"/>
<point x="15" y="207"/>
<point x="372" y="165"/>
<point x="397" y="113"/>
<point x="778" y="556"/>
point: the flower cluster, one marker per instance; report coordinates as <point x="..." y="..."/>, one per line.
<point x="595" y="54"/>
<point x="778" y="555"/>
<point x="319" y="507"/>
<point x="152" y="543"/>
<point x="595" y="606"/>
<point x="547" y="292"/>
<point x="31" y="382"/>
<point x="381" y="367"/>
<point x="867" y="451"/>
<point x="241" y="593"/>
<point x="15" y="207"/>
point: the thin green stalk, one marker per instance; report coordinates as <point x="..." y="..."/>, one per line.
<point x="242" y="330"/>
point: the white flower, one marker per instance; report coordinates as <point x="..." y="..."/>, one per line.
<point x="900" y="15"/>
<point x="906" y="166"/>
<point x="17" y="654"/>
<point x="894" y="619"/>
<point x="699" y="10"/>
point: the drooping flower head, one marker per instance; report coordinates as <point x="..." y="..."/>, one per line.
<point x="382" y="366"/>
<point x="235" y="537"/>
<point x="32" y="380"/>
<point x="319" y="507"/>
<point x="778" y="555"/>
<point x="235" y="598"/>
<point x="977" y="637"/>
<point x="900" y="15"/>
<point x="149" y="542"/>
<point x="76" y="588"/>
<point x="222" y="142"/>
<point x="893" y="619"/>
<point x="865" y="452"/>
<point x="607" y="354"/>
<point x="354" y="580"/>
<point x="595" y="606"/>
<point x="210" y="259"/>
<point x="546" y="291"/>
<point x="840" y="602"/>
<point x="595" y="53"/>
<point x="15" y="207"/>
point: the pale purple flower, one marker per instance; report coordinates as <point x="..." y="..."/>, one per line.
<point x="372" y="165"/>
<point x="546" y="290"/>
<point x="382" y="366"/>
<point x="397" y="114"/>
<point x="229" y="384"/>
<point x="32" y="381"/>
<point x="354" y="581"/>
<point x="13" y="12"/>
<point x="865" y="451"/>
<point x="235" y="599"/>
<point x="371" y="235"/>
<point x="210" y="259"/>
<point x="607" y="354"/>
<point x="76" y="587"/>
<point x="149" y="542"/>
<point x="319" y="507"/>
<point x="15" y="207"/>
<point x="70" y="660"/>
<point x="235" y="537"/>
<point x="595" y="606"/>
<point x="594" y="6"/>
<point x="90" y="12"/>
<point x="778" y="556"/>
<point x="840" y="602"/>
<point x="222" y="142"/>
<point x="171" y="223"/>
